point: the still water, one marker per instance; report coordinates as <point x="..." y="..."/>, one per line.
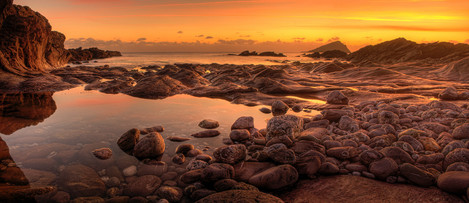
<point x="46" y="132"/>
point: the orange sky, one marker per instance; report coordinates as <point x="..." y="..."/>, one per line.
<point x="297" y="24"/>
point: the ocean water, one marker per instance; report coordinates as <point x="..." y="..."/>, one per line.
<point x="132" y="60"/>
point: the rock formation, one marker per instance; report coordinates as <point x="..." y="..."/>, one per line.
<point x="402" y="50"/>
<point x="337" y="45"/>
<point x="80" y="54"/>
<point x="27" y="43"/>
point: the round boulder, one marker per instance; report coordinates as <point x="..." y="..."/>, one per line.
<point x="275" y="177"/>
<point x="454" y="181"/>
<point x="209" y="124"/>
<point x="230" y="154"/>
<point x="279" y="108"/>
<point x="150" y="146"/>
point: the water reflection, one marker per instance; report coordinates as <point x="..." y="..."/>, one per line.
<point x="24" y="109"/>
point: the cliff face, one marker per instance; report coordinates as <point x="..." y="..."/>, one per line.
<point x="27" y="43"/>
<point x="402" y="50"/>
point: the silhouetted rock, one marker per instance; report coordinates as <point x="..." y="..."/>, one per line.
<point x="80" y="54"/>
<point x="337" y="45"/>
<point x="268" y="53"/>
<point x="402" y="50"/>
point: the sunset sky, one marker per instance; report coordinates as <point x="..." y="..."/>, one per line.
<point x="279" y="25"/>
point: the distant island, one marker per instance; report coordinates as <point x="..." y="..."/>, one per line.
<point x="332" y="50"/>
<point x="267" y="53"/>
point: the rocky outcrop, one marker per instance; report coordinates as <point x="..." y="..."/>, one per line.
<point x="267" y="53"/>
<point x="337" y="45"/>
<point x="80" y="54"/>
<point x="27" y="43"/>
<point x="402" y="50"/>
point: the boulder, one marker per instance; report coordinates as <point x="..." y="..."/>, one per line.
<point x="279" y="108"/>
<point x="81" y="181"/>
<point x="143" y="186"/>
<point x="461" y="132"/>
<point x="337" y="97"/>
<point x="454" y="181"/>
<point x="384" y="168"/>
<point x="416" y="175"/>
<point x="150" y="146"/>
<point x="209" y="124"/>
<point x="450" y="93"/>
<point x="206" y="133"/>
<point x="245" y="122"/>
<point x="128" y="140"/>
<point x="230" y="154"/>
<point x="286" y="125"/>
<point x="172" y="194"/>
<point x="240" y="135"/>
<point x="217" y="171"/>
<point x="275" y="177"/>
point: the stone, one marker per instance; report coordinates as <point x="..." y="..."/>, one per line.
<point x="328" y="168"/>
<point x="191" y="176"/>
<point x="265" y="110"/>
<point x="102" y="153"/>
<point x="413" y="132"/>
<point x="280" y="154"/>
<point x="206" y="133"/>
<point x="241" y="196"/>
<point x="204" y="157"/>
<point x="157" y="169"/>
<point x="156" y="87"/>
<point x="308" y="166"/>
<point x="343" y="152"/>
<point x="230" y="154"/>
<point x="348" y="124"/>
<point x="143" y="186"/>
<point x="217" y="171"/>
<point x="416" y="175"/>
<point x="245" y="170"/>
<point x="452" y="146"/>
<point x="369" y="156"/>
<point x="196" y="164"/>
<point x="431" y="158"/>
<point x="157" y="128"/>
<point x="304" y="146"/>
<point x="150" y="146"/>
<point x="458" y="166"/>
<point x="450" y="93"/>
<point x="194" y="153"/>
<point x="297" y="108"/>
<point x="81" y="181"/>
<point x="461" y="132"/>
<point x="61" y="197"/>
<point x="384" y="168"/>
<point x="417" y="145"/>
<point x="224" y="184"/>
<point x="128" y="140"/>
<point x="209" y="124"/>
<point x="334" y="115"/>
<point x="286" y="125"/>
<point x="201" y="193"/>
<point x="245" y="122"/>
<point x="398" y="154"/>
<point x="88" y="199"/>
<point x="130" y="171"/>
<point x="279" y="108"/>
<point x="240" y="135"/>
<point x="177" y="139"/>
<point x="388" y="117"/>
<point x="184" y="148"/>
<point x="457" y="155"/>
<point x="337" y="97"/>
<point x="172" y="194"/>
<point x="275" y="177"/>
<point x="454" y="181"/>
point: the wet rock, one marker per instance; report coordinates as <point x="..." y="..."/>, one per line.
<point x="328" y="168"/>
<point x="452" y="146"/>
<point x="334" y="115"/>
<point x="461" y="132"/>
<point x="450" y="93"/>
<point x="283" y="140"/>
<point x="201" y="193"/>
<point x="297" y="108"/>
<point x="130" y="171"/>
<point x="102" y="153"/>
<point x="413" y="142"/>
<point x="217" y="171"/>
<point x="304" y="146"/>
<point x="245" y="170"/>
<point x="275" y="178"/>
<point x="281" y="154"/>
<point x="337" y="97"/>
<point x="184" y="148"/>
<point x="209" y="124"/>
<point x="150" y="146"/>
<point x="343" y="152"/>
<point x="240" y="135"/>
<point x="348" y="124"/>
<point x="241" y="196"/>
<point x="204" y="157"/>
<point x="224" y="184"/>
<point x="308" y="165"/>
<point x="286" y="125"/>
<point x="457" y="155"/>
<point x="265" y="110"/>
<point x="194" y="153"/>
<point x="416" y="175"/>
<point x="177" y="139"/>
<point x="388" y="117"/>
<point x="172" y="194"/>
<point x="156" y="87"/>
<point x="245" y="122"/>
<point x="369" y="156"/>
<point x="398" y="154"/>
<point x="206" y="133"/>
<point x="431" y="158"/>
<point x="157" y="128"/>
<point x="458" y="166"/>
<point x="384" y="168"/>
<point x="157" y="168"/>
<point x="454" y="181"/>
<point x="196" y="164"/>
<point x="81" y="181"/>
<point x="143" y="186"/>
<point x="128" y="140"/>
<point x="279" y="108"/>
<point x="113" y="182"/>
<point x="191" y="176"/>
<point x="230" y="154"/>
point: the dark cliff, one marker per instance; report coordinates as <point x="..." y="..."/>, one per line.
<point x="402" y="50"/>
<point x="27" y="43"/>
